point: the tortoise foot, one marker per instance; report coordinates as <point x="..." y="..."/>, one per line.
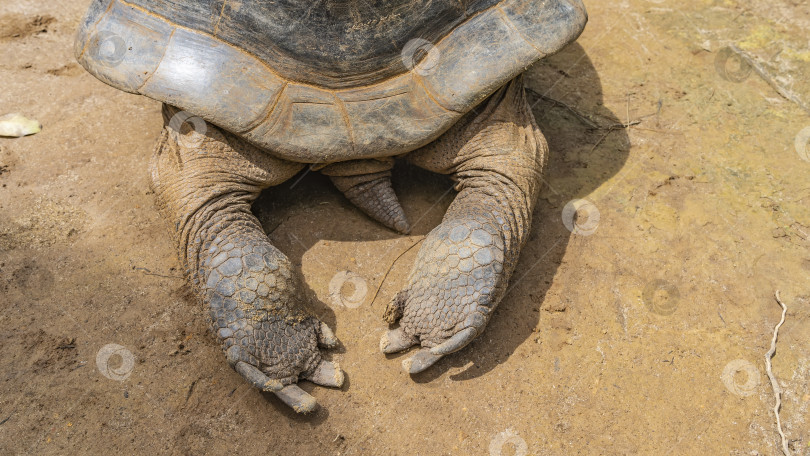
<point x="452" y="291"/>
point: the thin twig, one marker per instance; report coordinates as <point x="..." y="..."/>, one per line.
<point x="148" y="272"/>
<point x="582" y="117"/>
<point x="382" y="281"/>
<point x="600" y="141"/>
<point x="777" y="390"/>
<point x="586" y="118"/>
<point x="610" y="129"/>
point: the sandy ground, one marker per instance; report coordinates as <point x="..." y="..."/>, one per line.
<point x="641" y="332"/>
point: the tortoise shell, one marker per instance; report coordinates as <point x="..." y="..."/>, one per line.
<point x="327" y="81"/>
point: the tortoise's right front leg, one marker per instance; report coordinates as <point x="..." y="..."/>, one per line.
<point x="205" y="183"/>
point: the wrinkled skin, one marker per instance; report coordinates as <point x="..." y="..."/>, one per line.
<point x="206" y="183"/>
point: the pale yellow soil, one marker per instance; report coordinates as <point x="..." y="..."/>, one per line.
<point x="613" y="341"/>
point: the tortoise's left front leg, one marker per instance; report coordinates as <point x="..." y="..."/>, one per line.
<point x="497" y="155"/>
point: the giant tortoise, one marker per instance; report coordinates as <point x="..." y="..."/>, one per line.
<point x="253" y="91"/>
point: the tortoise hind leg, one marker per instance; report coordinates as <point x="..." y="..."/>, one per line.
<point x="205" y="182"/>
<point x="462" y="270"/>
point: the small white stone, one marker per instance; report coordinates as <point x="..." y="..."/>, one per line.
<point x="15" y="125"/>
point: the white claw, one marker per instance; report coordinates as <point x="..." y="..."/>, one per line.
<point x="396" y="340"/>
<point x="326" y="337"/>
<point x="327" y="374"/>
<point x="455" y="343"/>
<point x="420" y="361"/>
<point x="298" y="399"/>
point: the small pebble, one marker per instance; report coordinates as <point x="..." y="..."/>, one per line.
<point x="16" y="126"/>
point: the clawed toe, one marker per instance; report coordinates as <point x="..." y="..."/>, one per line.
<point x="298" y="399"/>
<point x="419" y="362"/>
<point x="326" y="337"/>
<point x="455" y="343"/>
<point x="427" y="357"/>
<point x="327" y="374"/>
<point x="396" y="340"/>
<point x="257" y="378"/>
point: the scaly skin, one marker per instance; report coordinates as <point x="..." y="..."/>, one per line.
<point x="205" y="184"/>
<point x="497" y="156"/>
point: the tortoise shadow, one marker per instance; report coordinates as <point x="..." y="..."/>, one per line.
<point x="587" y="144"/>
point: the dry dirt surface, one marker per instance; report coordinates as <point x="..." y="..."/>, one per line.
<point x="638" y="326"/>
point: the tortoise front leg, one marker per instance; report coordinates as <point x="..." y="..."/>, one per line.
<point x="205" y="183"/>
<point x="497" y="156"/>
